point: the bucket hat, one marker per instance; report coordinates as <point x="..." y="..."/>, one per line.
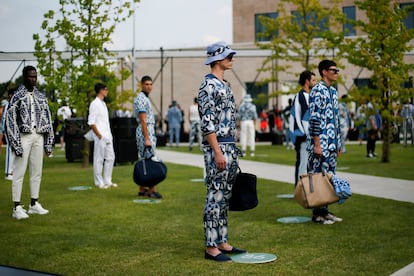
<point x="218" y="51"/>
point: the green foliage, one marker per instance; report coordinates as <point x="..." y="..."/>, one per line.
<point x="308" y="30"/>
<point x="381" y="50"/>
<point x="84" y="28"/>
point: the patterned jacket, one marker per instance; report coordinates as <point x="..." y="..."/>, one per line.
<point x="324" y="118"/>
<point x="247" y="111"/>
<point x="18" y="119"/>
<point x="217" y="108"/>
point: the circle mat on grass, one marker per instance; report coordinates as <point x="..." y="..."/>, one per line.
<point x="253" y="258"/>
<point x="197" y="180"/>
<point x="294" y="219"/>
<point x="285" y="196"/>
<point x="79" y="188"/>
<point x="147" y="201"/>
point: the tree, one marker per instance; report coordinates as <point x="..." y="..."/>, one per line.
<point x="84" y="27"/>
<point x="381" y="50"/>
<point x="308" y="30"/>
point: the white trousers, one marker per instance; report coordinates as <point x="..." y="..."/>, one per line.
<point x="103" y="159"/>
<point x="32" y="144"/>
<point x="247" y="135"/>
<point x="303" y="164"/>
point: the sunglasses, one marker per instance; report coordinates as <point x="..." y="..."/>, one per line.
<point x="336" y="71"/>
<point x="218" y="51"/>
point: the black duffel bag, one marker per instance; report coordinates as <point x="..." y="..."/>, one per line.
<point x="244" y="193"/>
<point x="149" y="171"/>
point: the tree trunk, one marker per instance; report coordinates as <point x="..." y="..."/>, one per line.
<point x="386" y="141"/>
<point x="85" y="154"/>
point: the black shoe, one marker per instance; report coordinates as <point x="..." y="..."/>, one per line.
<point x="155" y="195"/>
<point x="218" y="258"/>
<point x="145" y="193"/>
<point x="234" y="250"/>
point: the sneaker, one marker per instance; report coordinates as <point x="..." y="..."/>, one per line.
<point x="155" y="195"/>
<point x="322" y="220"/>
<point x="144" y="193"/>
<point x="252" y="154"/>
<point x="19" y="213"/>
<point x="102" y="186"/>
<point x="37" y="209"/>
<point x="113" y="185"/>
<point x="9" y="177"/>
<point x="331" y="216"/>
<point x="370" y="155"/>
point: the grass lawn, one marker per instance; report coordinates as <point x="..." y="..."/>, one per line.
<point x="103" y="232"/>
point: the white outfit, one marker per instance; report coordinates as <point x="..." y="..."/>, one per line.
<point x="103" y="155"/>
<point x="65" y="112"/>
<point x="247" y="135"/>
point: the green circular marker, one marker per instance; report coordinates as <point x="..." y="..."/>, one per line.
<point x="79" y="188"/>
<point x="197" y="180"/>
<point x="294" y="219"/>
<point x="285" y="196"/>
<point x="253" y="258"/>
<point x="147" y="201"/>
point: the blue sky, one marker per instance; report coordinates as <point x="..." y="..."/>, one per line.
<point x="166" y="23"/>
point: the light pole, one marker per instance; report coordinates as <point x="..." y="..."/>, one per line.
<point x="133" y="51"/>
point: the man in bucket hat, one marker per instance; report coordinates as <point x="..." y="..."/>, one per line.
<point x="217" y="110"/>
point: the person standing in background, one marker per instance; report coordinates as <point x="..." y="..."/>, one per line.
<point x="63" y="113"/>
<point x="217" y="109"/>
<point x="103" y="153"/>
<point x="301" y="122"/>
<point x="247" y="115"/>
<point x="174" y="118"/>
<point x="10" y="156"/>
<point x="324" y="140"/>
<point x="29" y="131"/>
<point x="145" y="133"/>
<point x="285" y="119"/>
<point x="194" y="119"/>
<point x="345" y="121"/>
<point x="407" y="113"/>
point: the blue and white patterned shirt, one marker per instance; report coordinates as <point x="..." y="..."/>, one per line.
<point x="247" y="111"/>
<point x="324" y="118"/>
<point x="217" y="108"/>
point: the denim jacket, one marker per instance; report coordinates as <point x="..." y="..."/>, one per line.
<point x="18" y="119"/>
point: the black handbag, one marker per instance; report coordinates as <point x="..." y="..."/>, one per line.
<point x="149" y="171"/>
<point x="244" y="193"/>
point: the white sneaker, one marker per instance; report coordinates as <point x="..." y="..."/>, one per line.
<point x="19" y="213"/>
<point x="113" y="185"/>
<point x="9" y="177"/>
<point x="332" y="217"/>
<point x="37" y="209"/>
<point x="102" y="186"/>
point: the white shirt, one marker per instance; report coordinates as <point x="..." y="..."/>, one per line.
<point x="64" y="111"/>
<point x="194" y="116"/>
<point x="98" y="116"/>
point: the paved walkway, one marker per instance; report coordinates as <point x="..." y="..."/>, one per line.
<point x="390" y="188"/>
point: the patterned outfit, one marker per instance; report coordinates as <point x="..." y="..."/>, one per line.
<point x="29" y="131"/>
<point x="407" y="113"/>
<point x="324" y="122"/>
<point x="142" y="104"/>
<point x="217" y="111"/>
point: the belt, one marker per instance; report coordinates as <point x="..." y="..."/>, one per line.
<point x="222" y="140"/>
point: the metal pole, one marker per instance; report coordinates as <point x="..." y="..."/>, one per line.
<point x="133" y="52"/>
<point x="161" y="85"/>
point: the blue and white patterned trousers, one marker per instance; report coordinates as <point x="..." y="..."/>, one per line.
<point x="219" y="185"/>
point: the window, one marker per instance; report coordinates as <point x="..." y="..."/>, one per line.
<point x="311" y="19"/>
<point x="260" y="28"/>
<point x="364" y="83"/>
<point x="350" y="14"/>
<point x="409" y="20"/>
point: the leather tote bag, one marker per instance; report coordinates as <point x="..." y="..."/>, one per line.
<point x="149" y="171"/>
<point x="244" y="193"/>
<point x="315" y="190"/>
